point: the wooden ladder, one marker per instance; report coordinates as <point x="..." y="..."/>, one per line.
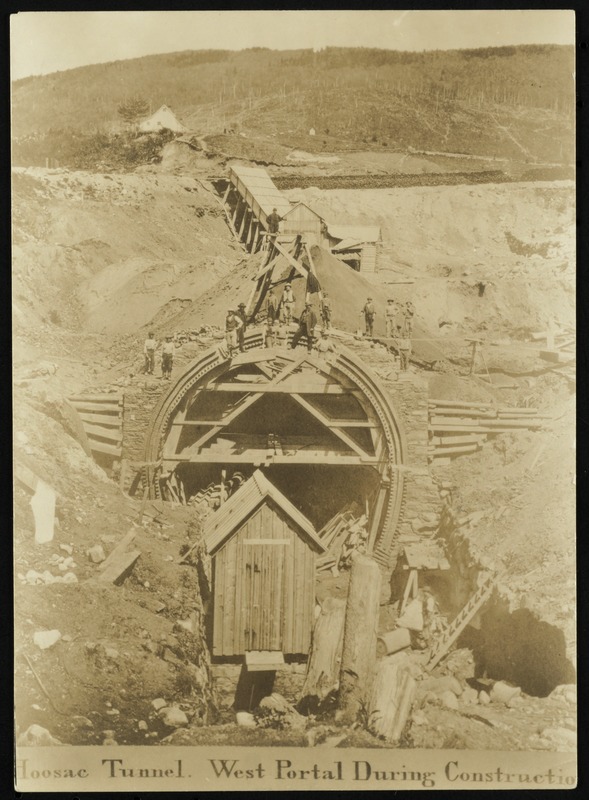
<point x="476" y="602"/>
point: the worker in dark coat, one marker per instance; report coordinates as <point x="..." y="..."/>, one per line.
<point x="369" y="312"/>
<point x="272" y="306"/>
<point x="241" y="331"/>
<point x="273" y="221"/>
<point x="307" y="324"/>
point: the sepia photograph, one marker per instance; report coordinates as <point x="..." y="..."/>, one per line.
<point x="294" y="400"/>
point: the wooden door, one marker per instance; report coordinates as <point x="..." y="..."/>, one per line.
<point x="264" y="590"/>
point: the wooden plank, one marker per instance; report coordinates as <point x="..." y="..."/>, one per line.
<point x="113" y="398"/>
<point x="264" y="660"/>
<point x="464" y="448"/>
<point x="460" y="404"/>
<point x="102" y="447"/>
<point x="450" y="412"/>
<point x="262" y="456"/>
<point x="462" y="428"/>
<point x="107" y="408"/>
<point x="114" y="434"/>
<point x="453" y="421"/>
<point x="119" y="568"/>
<point x="449" y="440"/>
<point x="219" y="611"/>
<point x="109" y="420"/>
<point x="228" y="596"/>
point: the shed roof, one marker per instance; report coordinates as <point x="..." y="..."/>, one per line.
<point x="304" y="205"/>
<point x="248" y="497"/>
<point x="425" y="555"/>
<point x="360" y="234"/>
<point x="164" y="117"/>
<point x="262" y="188"/>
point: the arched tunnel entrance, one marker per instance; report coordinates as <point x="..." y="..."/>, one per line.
<point x="321" y="429"/>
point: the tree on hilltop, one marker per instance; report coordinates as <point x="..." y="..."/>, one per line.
<point x="132" y="110"/>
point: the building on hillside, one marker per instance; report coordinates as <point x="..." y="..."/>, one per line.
<point x="302" y="219"/>
<point x="356" y="245"/>
<point x="163" y="119"/>
<point x="263" y="552"/>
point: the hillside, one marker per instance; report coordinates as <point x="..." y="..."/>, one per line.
<point x="514" y="102"/>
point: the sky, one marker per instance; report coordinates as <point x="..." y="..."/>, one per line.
<point x="44" y="42"/>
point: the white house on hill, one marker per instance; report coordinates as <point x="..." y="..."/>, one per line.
<point x="164" y="118"/>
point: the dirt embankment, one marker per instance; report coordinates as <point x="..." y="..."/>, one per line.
<point x="107" y="252"/>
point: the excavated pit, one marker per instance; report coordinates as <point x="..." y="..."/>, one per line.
<point x="508" y="643"/>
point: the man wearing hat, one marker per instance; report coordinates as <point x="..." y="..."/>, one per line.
<point x="167" y="358"/>
<point x="307" y="323"/>
<point x="326" y="310"/>
<point x="272" y="306"/>
<point x="241" y="331"/>
<point x="391" y="312"/>
<point x="149" y="352"/>
<point x="369" y="312"/>
<point x="288" y="303"/>
<point x="409" y="314"/>
<point x="232" y="325"/>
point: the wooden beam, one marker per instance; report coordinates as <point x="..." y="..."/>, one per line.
<point x="288" y="386"/>
<point x="114" y="434"/>
<point x="102" y="447"/>
<point x="265" y="457"/>
<point x="293" y="262"/>
<point x="347" y="440"/>
<point x="218" y="427"/>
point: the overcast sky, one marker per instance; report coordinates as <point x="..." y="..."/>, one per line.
<point x="43" y="42"/>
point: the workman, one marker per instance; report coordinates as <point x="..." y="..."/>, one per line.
<point x="269" y="337"/>
<point x="273" y="221"/>
<point x="271" y="306"/>
<point x="391" y="312"/>
<point x="307" y="324"/>
<point x="149" y="353"/>
<point x="324" y="344"/>
<point x="369" y="312"/>
<point x="409" y="314"/>
<point x="280" y="336"/>
<point x="241" y="331"/>
<point x="288" y="303"/>
<point x="404" y="345"/>
<point x="232" y="324"/>
<point x="167" y="358"/>
<point x="326" y="311"/>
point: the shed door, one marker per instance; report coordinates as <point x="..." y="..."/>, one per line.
<point x="264" y="589"/>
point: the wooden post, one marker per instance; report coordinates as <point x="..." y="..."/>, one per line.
<point x="391" y="699"/>
<point x="360" y="628"/>
<point x="473" y="356"/>
<point x="326" y="650"/>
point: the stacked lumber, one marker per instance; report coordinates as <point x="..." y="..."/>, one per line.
<point x="333" y="534"/>
<point x="458" y="427"/>
<point x="102" y="418"/>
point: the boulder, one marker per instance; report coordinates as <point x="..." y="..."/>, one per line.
<point x="46" y="639"/>
<point x="503" y="693"/>
<point x="36" y="736"/>
<point x="447" y="683"/>
<point x="159" y="703"/>
<point x="449" y="699"/>
<point x="96" y="554"/>
<point x="245" y="719"/>
<point x="173" y="717"/>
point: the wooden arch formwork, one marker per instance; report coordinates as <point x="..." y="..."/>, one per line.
<point x="371" y="437"/>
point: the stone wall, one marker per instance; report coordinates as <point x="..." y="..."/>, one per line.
<point x="138" y="407"/>
<point x="422" y="503"/>
<point x="232" y="684"/>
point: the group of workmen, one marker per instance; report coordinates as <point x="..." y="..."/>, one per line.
<point x="399" y="325"/>
<point x="280" y="314"/>
<point x="167" y="355"/>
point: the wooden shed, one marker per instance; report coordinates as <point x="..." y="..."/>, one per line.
<point x="263" y="553"/>
<point x="302" y="219"/>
